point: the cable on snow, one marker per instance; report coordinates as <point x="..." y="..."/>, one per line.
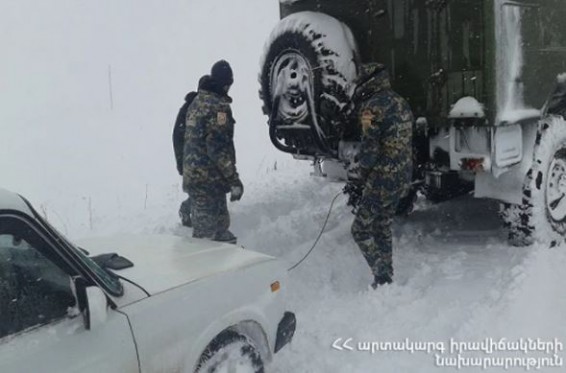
<point x="319" y="235"/>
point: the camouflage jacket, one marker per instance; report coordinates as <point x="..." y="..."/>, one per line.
<point x="209" y="155"/>
<point x="386" y="121"/>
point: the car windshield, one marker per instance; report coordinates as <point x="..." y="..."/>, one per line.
<point x="106" y="279"/>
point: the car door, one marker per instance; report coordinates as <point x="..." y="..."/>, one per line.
<point x="41" y="329"/>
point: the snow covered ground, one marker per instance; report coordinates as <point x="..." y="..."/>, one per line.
<point x="456" y="277"/>
<point x="95" y="167"/>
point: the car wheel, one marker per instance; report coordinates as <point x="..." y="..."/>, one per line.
<point x="306" y="76"/>
<point x="542" y="215"/>
<point x="230" y="353"/>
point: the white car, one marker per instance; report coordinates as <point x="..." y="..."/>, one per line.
<point x="186" y="305"/>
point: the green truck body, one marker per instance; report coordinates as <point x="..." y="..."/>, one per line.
<point x="486" y="80"/>
<point x="438" y="51"/>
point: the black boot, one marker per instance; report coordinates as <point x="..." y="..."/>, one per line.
<point x="380" y="280"/>
<point x="185" y="213"/>
<point x="226" y="236"/>
<point x="185" y="219"/>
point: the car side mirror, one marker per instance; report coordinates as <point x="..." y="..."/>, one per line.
<point x="97" y="307"/>
<point x="93" y="304"/>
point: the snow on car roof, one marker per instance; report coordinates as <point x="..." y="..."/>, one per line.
<point x="12" y="201"/>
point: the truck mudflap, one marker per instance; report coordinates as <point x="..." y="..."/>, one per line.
<point x="285" y="330"/>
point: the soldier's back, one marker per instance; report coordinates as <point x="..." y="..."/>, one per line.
<point x="395" y="138"/>
<point x="208" y="133"/>
<point x="200" y="116"/>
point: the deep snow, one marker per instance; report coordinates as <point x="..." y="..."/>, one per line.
<point x="96" y="171"/>
<point x="467" y="107"/>
<point x="455" y="275"/>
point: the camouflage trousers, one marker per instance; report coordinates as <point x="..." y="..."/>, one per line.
<point x="209" y="212"/>
<point x="372" y="230"/>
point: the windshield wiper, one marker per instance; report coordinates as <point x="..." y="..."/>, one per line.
<point x="112" y="261"/>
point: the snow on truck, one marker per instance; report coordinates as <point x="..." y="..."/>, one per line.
<point x="485" y="78"/>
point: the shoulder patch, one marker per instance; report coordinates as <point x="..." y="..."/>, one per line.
<point x="366" y="119"/>
<point x="222" y="118"/>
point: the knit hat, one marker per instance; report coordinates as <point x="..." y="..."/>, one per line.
<point x="203" y="81"/>
<point x="222" y="73"/>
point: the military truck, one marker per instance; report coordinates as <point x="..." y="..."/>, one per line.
<point x="486" y="80"/>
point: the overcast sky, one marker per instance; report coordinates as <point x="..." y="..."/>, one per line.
<point x="60" y="132"/>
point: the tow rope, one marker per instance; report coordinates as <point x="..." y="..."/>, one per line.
<point x="319" y="235"/>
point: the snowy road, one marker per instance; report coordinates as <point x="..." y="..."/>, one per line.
<point x="455" y="277"/>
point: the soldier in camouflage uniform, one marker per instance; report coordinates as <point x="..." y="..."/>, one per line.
<point x="385" y="166"/>
<point x="209" y="167"/>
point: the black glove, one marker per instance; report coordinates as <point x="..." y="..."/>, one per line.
<point x="354" y="189"/>
<point x="236" y="191"/>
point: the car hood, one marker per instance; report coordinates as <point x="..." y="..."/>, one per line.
<point x="162" y="262"/>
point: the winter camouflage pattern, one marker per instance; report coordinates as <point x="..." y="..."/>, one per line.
<point x="210" y="158"/>
<point x="209" y="213"/>
<point x="385" y="161"/>
<point x="209" y="167"/>
<point x="178" y="148"/>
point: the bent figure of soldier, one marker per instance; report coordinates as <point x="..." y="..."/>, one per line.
<point x="209" y="167"/>
<point x="385" y="167"/>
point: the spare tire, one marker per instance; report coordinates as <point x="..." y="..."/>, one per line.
<point x="307" y="71"/>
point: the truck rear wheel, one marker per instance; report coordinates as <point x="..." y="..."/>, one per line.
<point x="542" y="215"/>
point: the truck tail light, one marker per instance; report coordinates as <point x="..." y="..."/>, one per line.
<point x="472" y="164"/>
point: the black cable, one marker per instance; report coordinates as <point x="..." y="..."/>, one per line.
<point x="133" y="283"/>
<point x="319" y="235"/>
